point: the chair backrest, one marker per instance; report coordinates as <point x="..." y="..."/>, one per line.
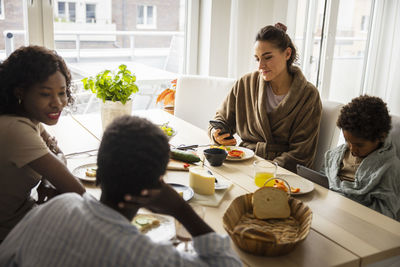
<point x="394" y="133"/>
<point x="197" y="98"/>
<point x="328" y="133"/>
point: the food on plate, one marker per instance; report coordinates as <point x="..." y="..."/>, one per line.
<point x="270" y="202"/>
<point x="167" y="130"/>
<point x="202" y="181"/>
<point x="91" y="172"/>
<point x="281" y="185"/>
<point x="145" y="222"/>
<point x="235" y="153"/>
<point x="184" y="156"/>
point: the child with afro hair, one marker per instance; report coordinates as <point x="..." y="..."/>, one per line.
<point x="366" y="168"/>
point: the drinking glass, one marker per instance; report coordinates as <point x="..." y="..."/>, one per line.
<point x="183" y="235"/>
<point x="264" y="170"/>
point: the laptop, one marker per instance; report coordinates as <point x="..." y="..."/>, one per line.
<point x="313" y="176"/>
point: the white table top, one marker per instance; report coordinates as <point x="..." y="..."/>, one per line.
<point x="343" y="232"/>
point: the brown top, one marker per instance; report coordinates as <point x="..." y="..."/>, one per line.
<point x="20" y="143"/>
<point x="287" y="135"/>
<point x="349" y="167"/>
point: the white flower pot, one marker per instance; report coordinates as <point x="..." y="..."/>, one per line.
<point x="111" y="110"/>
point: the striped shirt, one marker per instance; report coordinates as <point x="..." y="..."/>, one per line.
<point x="71" y="230"/>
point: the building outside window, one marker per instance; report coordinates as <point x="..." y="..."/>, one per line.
<point x="90" y="13"/>
<point x="1" y="9"/>
<point x="146" y="16"/>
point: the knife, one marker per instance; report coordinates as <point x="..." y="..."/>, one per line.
<point x="191" y="146"/>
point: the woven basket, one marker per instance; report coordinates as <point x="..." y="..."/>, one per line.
<point x="268" y="245"/>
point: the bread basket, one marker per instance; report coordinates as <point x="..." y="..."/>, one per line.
<point x="268" y="242"/>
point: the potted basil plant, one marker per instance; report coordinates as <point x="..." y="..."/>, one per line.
<point x="115" y="89"/>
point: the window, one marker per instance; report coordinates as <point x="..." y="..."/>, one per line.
<point x="1" y="9"/>
<point x="146" y="16"/>
<point x="71" y="12"/>
<point x="337" y="44"/>
<point x="65" y="12"/>
<point x="61" y="9"/>
<point x="90" y="13"/>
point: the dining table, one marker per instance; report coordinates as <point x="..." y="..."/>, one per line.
<point x="343" y="232"/>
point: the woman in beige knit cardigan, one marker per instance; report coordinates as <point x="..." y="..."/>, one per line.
<point x="275" y="110"/>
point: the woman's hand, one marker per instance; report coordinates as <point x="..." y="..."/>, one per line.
<point x="220" y="139"/>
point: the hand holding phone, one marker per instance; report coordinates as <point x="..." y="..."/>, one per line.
<point x="224" y="128"/>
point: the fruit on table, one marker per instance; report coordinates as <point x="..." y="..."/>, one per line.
<point x="281" y="185"/>
<point x="167" y="130"/>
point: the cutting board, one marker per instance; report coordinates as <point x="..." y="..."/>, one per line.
<point x="175" y="165"/>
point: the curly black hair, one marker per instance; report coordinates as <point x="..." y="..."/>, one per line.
<point x="278" y="36"/>
<point x="133" y="154"/>
<point x="26" y="67"/>
<point x="365" y="117"/>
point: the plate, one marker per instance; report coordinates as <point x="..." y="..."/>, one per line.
<point x="295" y="181"/>
<point x="164" y="232"/>
<point x="221" y="186"/>
<point x="248" y="153"/>
<point x="188" y="192"/>
<point x="80" y="172"/>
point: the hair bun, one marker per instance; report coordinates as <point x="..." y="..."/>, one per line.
<point x="281" y="26"/>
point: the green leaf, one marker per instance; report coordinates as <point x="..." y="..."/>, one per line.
<point x="116" y="86"/>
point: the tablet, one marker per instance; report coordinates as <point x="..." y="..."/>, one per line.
<point x="312" y="175"/>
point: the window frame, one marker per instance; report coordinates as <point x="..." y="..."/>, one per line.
<point x="327" y="51"/>
<point x="145" y="25"/>
<point x="95" y="12"/>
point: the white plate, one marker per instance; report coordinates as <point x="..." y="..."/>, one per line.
<point x="188" y="192"/>
<point x="80" y="172"/>
<point x="220" y="186"/>
<point x="295" y="181"/>
<point x="248" y="153"/>
<point x="165" y="231"/>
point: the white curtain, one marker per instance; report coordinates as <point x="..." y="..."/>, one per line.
<point x="383" y="72"/>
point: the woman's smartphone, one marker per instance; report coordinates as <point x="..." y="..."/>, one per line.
<point x="224" y="128"/>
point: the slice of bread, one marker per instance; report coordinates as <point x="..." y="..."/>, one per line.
<point x="270" y="203"/>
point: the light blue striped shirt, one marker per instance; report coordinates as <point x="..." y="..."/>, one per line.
<point x="71" y="230"/>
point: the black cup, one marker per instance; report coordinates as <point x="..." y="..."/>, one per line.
<point x="215" y="156"/>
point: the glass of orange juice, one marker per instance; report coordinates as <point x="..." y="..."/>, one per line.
<point x="264" y="170"/>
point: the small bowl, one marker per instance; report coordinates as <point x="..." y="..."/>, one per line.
<point x="215" y="156"/>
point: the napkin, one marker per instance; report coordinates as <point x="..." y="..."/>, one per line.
<point x="212" y="200"/>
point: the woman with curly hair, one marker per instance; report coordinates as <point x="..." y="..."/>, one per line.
<point x="366" y="168"/>
<point x="274" y="110"/>
<point x="34" y="89"/>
